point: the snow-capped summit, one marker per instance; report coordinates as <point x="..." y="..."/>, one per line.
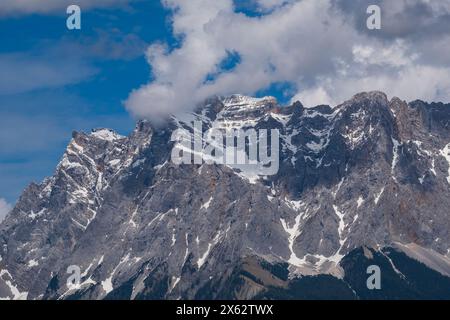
<point x="241" y="101"/>
<point x="106" y="134"/>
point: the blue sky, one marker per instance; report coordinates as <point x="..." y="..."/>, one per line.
<point x="146" y="58"/>
<point x="93" y="70"/>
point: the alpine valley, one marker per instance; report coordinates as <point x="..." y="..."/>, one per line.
<point x="364" y="183"/>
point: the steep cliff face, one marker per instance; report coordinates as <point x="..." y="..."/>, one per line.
<point x="369" y="173"/>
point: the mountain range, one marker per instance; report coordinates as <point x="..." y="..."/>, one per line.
<point x="364" y="183"/>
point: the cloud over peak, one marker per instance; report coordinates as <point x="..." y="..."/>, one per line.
<point x="317" y="46"/>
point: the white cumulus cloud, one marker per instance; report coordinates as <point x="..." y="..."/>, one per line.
<point x="313" y="45"/>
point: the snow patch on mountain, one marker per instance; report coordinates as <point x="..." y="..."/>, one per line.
<point x="292" y="233"/>
<point x="445" y="152"/>
<point x="106" y="134"/>
<point x="7" y="278"/>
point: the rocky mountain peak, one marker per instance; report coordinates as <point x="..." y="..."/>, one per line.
<point x="237" y="101"/>
<point x="375" y="96"/>
<point x="106" y="134"/>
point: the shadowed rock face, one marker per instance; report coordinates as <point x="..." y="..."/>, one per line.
<point x="368" y="173"/>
